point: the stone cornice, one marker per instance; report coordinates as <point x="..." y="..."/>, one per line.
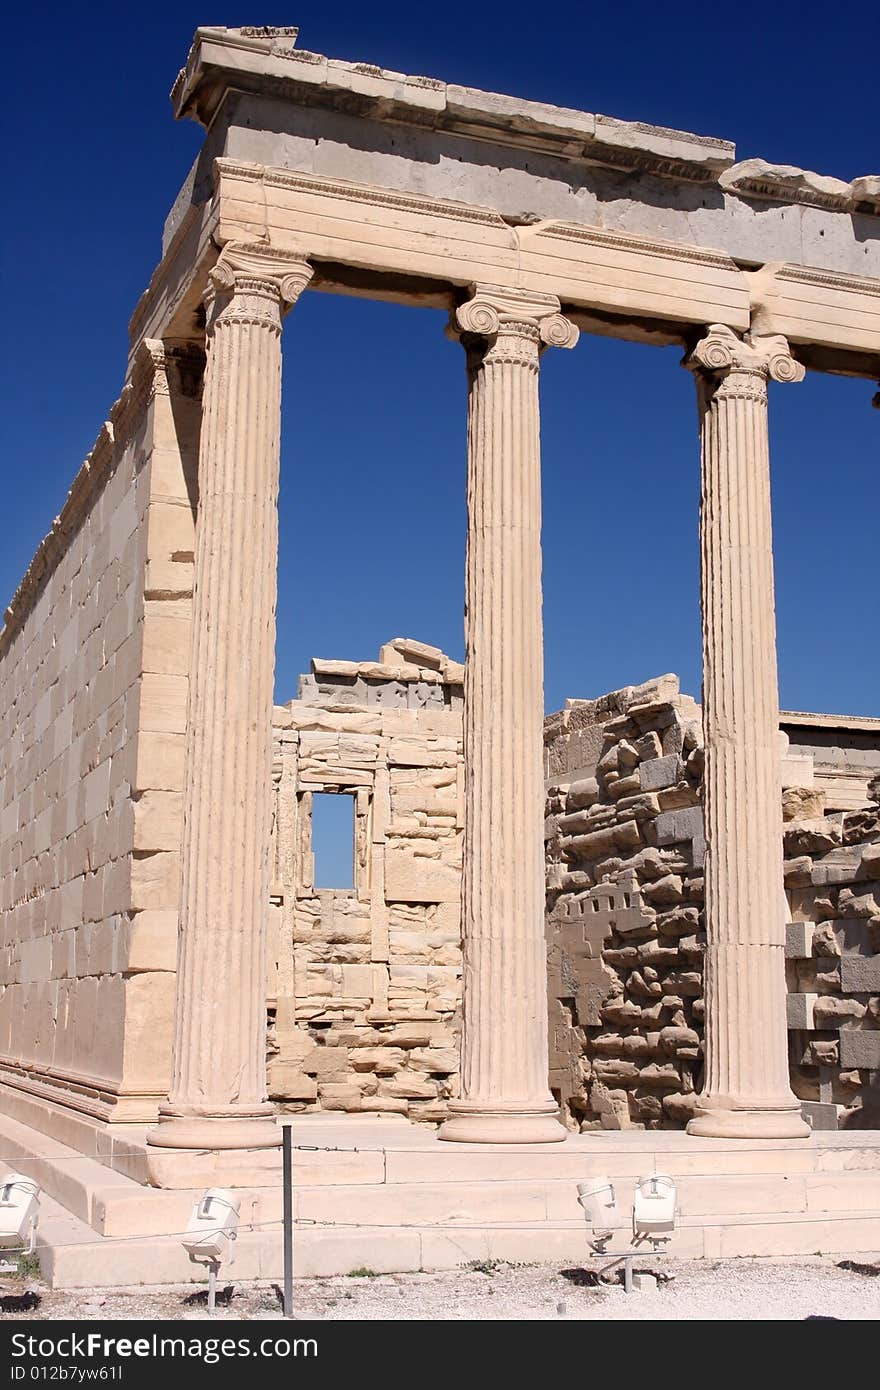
<point x="267" y="62"/>
<point x="867" y="723"/>
<point x="788" y="184"/>
<point x="221" y="60"/>
<point x="598" y="236"/>
<point x="828" y="279"/>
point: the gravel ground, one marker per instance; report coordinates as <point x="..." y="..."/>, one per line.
<point x="727" y="1290"/>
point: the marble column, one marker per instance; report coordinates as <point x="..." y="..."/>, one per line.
<point x="505" y="1096"/>
<point x="217" y="1099"/>
<point x="746" y="1091"/>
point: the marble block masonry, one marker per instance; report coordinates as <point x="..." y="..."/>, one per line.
<point x="168" y="962"/>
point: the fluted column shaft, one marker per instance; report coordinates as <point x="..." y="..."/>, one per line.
<point x="218" y="1091"/>
<point x="505" y="1096"/>
<point x="746" y="1089"/>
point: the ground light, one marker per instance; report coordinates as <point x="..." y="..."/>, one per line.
<point x="211" y="1233"/>
<point x="19" y="1213"/>
<point x="653" y="1219"/>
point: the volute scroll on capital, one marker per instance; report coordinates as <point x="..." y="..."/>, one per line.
<point x="722" y="352"/>
<point x="494" y="310"/>
<point x="252" y="265"/>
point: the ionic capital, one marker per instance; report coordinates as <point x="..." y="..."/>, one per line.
<point x="494" y="312"/>
<point x="722" y="353"/>
<point x="255" y="271"/>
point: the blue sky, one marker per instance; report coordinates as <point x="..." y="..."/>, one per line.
<point x="372" y="506"/>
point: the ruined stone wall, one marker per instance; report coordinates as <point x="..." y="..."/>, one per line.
<point x="625" y="885"/>
<point x="366" y="983"/>
<point x="832" y="876"/>
<point x="626" y="933"/>
<point x="84" y="995"/>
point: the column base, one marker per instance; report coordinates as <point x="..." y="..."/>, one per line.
<point x="473" y="1123"/>
<point x="238" y="1149"/>
<point x="714" y="1120"/>
<point x="250" y="1129"/>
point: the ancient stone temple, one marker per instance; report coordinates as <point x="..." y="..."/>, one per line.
<point x="174" y="979"/>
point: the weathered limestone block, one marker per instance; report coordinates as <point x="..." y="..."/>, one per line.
<point x="658" y="773"/>
<point x="600" y="842"/>
<point x="813" y="836"/>
<point x="860" y="974"/>
<point x="860" y="1048"/>
<point x="664" y="891"/>
<point x="416" y="878"/>
<point x="863" y="901"/>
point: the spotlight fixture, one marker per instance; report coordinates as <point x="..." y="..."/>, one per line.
<point x="211" y="1234"/>
<point x="19" y="1211"/>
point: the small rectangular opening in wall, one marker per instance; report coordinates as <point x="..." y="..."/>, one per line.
<point x="333" y="840"/>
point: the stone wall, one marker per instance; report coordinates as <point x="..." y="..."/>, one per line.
<point x="625" y="852"/>
<point x="832" y="876"/>
<point x="624" y="861"/>
<point x="366" y="982"/>
<point x="85" y="965"/>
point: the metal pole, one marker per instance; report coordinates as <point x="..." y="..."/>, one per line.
<point x="628" y="1273"/>
<point x="287" y="1180"/>
<point x="212" y="1288"/>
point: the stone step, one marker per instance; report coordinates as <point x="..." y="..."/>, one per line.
<point x="72" y="1257"/>
<point x="76" y="1182"/>
<point x="134" y="1210"/>
<point x="432" y="1181"/>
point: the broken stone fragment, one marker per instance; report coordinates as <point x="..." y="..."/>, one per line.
<point x="798" y="871"/>
<point x="786" y="182"/>
<point x="622" y="1011"/>
<point x="802" y="803"/>
<point x="664" y="890"/>
<point x="680" y="1107"/>
<point x="627" y="755"/>
<point x="866" y="190"/>
<point x="870" y="861"/>
<point x="681" y="922"/>
<point x="582" y="794"/>
<point x="648" y="989"/>
<point x="625" y="786"/>
<point x="864" y="903"/>
<point x="829" y="1011"/>
<point x="810" y="836"/>
<point x="672" y="1038"/>
<point x="656" y="1074"/>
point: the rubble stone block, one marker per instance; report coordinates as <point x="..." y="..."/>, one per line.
<point x="660" y="772"/>
<point x="799" y="1010"/>
<point x="799" y="940"/>
<point x="683" y="824"/>
<point x="819" y="1115"/>
<point x="860" y="1048"/>
<point x="860" y="974"/>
